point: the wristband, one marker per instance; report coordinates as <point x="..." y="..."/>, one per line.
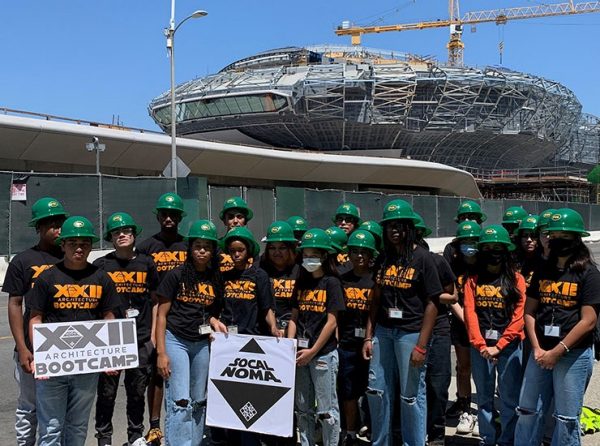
<point x="420" y="350"/>
<point x="567" y="349"/>
<point x="368" y="340"/>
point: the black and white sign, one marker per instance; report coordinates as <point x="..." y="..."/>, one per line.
<point x="74" y="348"/>
<point x="251" y="384"/>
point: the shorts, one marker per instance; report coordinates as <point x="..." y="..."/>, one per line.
<point x="458" y="333"/>
<point x="353" y="374"/>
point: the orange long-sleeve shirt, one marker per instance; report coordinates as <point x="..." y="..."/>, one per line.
<point x="514" y="329"/>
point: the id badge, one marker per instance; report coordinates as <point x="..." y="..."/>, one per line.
<point x="302" y="343"/>
<point x="232" y="329"/>
<point x="394" y="313"/>
<point x="132" y="312"/>
<point x="205" y="329"/>
<point x="491" y="335"/>
<point x="552" y="331"/>
<point x="359" y="332"/>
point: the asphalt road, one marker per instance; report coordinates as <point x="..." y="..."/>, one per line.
<point x="8" y="391"/>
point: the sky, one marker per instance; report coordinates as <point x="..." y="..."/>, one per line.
<point x="105" y="60"/>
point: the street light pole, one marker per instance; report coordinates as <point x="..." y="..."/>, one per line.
<point x="170" y="34"/>
<point x="95" y="146"/>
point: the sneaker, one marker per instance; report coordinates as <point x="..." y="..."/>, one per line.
<point x="458" y="407"/>
<point x="139" y="442"/>
<point x="364" y="434"/>
<point x="154" y="436"/>
<point x="475" y="431"/>
<point x="465" y="423"/>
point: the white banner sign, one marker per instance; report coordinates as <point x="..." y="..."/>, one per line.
<point x="73" y="348"/>
<point x="251" y="384"/>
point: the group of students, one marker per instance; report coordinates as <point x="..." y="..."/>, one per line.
<point x="373" y="311"/>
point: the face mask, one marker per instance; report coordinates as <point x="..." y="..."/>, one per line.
<point x="492" y="257"/>
<point x="561" y="246"/>
<point x="468" y="250"/>
<point x="311" y="264"/>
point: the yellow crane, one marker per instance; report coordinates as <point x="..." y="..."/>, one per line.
<point x="455" y="22"/>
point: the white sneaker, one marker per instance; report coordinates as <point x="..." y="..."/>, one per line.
<point x="139" y="442"/>
<point x="466" y="422"/>
<point x="475" y="431"/>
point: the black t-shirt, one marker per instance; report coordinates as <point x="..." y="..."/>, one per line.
<point x="357" y="298"/>
<point x="319" y="297"/>
<point x="282" y="288"/>
<point x="22" y="272"/>
<point x="560" y="295"/>
<point x="447" y="277"/>
<point x="134" y="280"/>
<point x="408" y="288"/>
<point x="490" y="306"/>
<point x="246" y="299"/>
<point x="65" y="295"/>
<point x="190" y="308"/>
<point x="166" y="255"/>
<point x="529" y="266"/>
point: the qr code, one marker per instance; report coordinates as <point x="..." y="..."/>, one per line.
<point x="248" y="411"/>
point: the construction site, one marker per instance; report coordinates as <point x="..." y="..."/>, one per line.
<point x="522" y="136"/>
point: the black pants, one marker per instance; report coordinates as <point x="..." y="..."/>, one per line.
<point x="437" y="381"/>
<point x="136" y="381"/>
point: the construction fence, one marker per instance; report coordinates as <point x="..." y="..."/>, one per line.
<point x="98" y="196"/>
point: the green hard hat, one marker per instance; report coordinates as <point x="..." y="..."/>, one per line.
<point x="470" y="207"/>
<point x="44" y="208"/>
<point x="399" y="210"/>
<point x="316" y="238"/>
<point x="514" y="215"/>
<point x="77" y="226"/>
<point x="297" y="223"/>
<point x="236" y="203"/>
<point x="338" y="238"/>
<point x="362" y="238"/>
<point x="495" y="234"/>
<point x="204" y="229"/>
<point x="170" y="201"/>
<point x="530" y="223"/>
<point x="468" y="229"/>
<point x="374" y="228"/>
<point x="420" y="225"/>
<point x="280" y="231"/>
<point x="120" y="220"/>
<point x="569" y="220"/>
<point x="347" y="209"/>
<point x="545" y="218"/>
<point x="244" y="234"/>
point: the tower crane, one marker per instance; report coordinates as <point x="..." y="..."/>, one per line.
<point x="455" y="22"/>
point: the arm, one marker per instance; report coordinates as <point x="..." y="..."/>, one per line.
<point x="154" y="298"/>
<point x="292" y="324"/>
<point x="417" y="358"/>
<point x="162" y="361"/>
<point x="471" y="319"/>
<point x="514" y="329"/>
<point x="15" y="320"/>
<point x="36" y="318"/>
<point x="367" y="350"/>
<point x="458" y="311"/>
<point x="272" y="323"/>
<point x="450" y="295"/>
<point x="304" y="356"/>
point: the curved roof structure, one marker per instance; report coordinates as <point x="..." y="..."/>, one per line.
<point x="338" y="98"/>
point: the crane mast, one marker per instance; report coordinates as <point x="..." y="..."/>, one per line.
<point x="455" y="22"/>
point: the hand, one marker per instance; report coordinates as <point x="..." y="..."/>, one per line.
<point x="26" y="360"/>
<point x="490" y="353"/>
<point x="218" y="326"/>
<point x="276" y="332"/>
<point x="367" y="350"/>
<point x="538" y="353"/>
<point x="417" y="359"/>
<point x="549" y="359"/>
<point x="111" y="372"/>
<point x="163" y="365"/>
<point x="304" y="356"/>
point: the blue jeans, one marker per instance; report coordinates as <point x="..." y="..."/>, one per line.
<point x="64" y="404"/>
<point x="317" y="382"/>
<point x="437" y="382"/>
<point x="185" y="391"/>
<point x="509" y="371"/>
<point x="567" y="381"/>
<point x="26" y="419"/>
<point x="392" y="349"/>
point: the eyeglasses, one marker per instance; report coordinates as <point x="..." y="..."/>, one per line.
<point x="125" y="231"/>
<point x="345" y="219"/>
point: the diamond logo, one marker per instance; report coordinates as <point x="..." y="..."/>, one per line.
<point x="248" y="411"/>
<point x="71" y="337"/>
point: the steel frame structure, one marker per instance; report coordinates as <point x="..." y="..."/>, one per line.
<point x="355" y="98"/>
